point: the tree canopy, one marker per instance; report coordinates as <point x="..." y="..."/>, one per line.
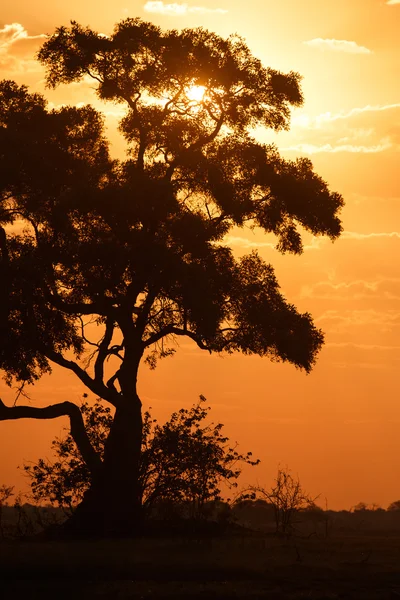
<point x="144" y="237"/>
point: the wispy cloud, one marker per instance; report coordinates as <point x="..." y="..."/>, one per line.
<point x="392" y="2"/>
<point x="17" y="50"/>
<point x="337" y="46"/>
<point x="362" y="346"/>
<point x="304" y="120"/>
<point x="369" y="129"/>
<point x="182" y="9"/>
<point x="315" y="243"/>
<point x="248" y="244"/>
<point x="383" y="321"/>
<point x="15" y="32"/>
<point x="242" y="242"/>
<point x="381" y="288"/>
<point x="352" y="148"/>
<point x="354" y="235"/>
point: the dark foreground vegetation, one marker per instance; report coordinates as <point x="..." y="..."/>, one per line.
<point x="354" y="555"/>
<point x="237" y="565"/>
<point x="265" y="543"/>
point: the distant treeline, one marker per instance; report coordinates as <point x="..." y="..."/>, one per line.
<point x="20" y="520"/>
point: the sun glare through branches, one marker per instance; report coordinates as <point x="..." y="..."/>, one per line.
<point x="196" y="93"/>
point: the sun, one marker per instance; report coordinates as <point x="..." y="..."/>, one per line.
<point x="196" y="93"/>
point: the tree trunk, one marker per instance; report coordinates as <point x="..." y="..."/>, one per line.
<point x="112" y="505"/>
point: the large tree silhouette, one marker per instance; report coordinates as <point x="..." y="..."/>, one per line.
<point x="137" y="246"/>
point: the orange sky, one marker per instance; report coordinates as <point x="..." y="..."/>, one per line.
<point x="338" y="428"/>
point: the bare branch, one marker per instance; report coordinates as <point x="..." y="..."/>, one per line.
<point x="63" y="409"/>
<point x="20" y="392"/>
<point x="88" y="71"/>
<point x="172" y="100"/>
<point x="85" y="339"/>
<point x="94" y="386"/>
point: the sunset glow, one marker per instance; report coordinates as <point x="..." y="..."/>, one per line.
<point x="338" y="427"/>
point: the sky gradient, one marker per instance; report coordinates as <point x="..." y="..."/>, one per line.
<point x="337" y="428"/>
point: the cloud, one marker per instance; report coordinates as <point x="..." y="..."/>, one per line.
<point x="17" y="50"/>
<point x="336" y="322"/>
<point x="392" y="2"/>
<point x="385" y="144"/>
<point x="369" y="129"/>
<point x="15" y="32"/>
<point x="379" y="289"/>
<point x="337" y="46"/>
<point x="314" y="243"/>
<point x="176" y="9"/>
<point x="317" y="122"/>
<point x="362" y="365"/>
<point x="354" y="235"/>
<point x="242" y="242"/>
<point x="380" y="347"/>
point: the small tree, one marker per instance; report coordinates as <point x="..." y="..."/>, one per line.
<point x="394" y="506"/>
<point x="5" y="494"/>
<point x="287" y="497"/>
<point x="185" y="461"/>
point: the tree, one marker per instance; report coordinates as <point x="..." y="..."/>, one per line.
<point x="136" y="247"/>
<point x="5" y="494"/>
<point x="287" y="497"/>
<point x="394" y="506"/>
<point x="183" y="462"/>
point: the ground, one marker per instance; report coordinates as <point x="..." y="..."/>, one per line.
<point x="249" y="565"/>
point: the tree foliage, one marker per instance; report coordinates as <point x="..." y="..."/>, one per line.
<point x="183" y="462"/>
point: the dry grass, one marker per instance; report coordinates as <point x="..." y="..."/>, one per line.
<point x="248" y="566"/>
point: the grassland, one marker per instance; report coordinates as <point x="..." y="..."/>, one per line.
<point x="247" y="565"/>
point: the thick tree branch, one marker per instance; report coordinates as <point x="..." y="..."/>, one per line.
<point x="103" y="351"/>
<point x="111" y="382"/>
<point x="5" y="279"/>
<point x="144" y="312"/>
<point x="93" y="385"/>
<point x="78" y="308"/>
<point x="172" y="330"/>
<point x="63" y="409"/>
<point x="142" y="134"/>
